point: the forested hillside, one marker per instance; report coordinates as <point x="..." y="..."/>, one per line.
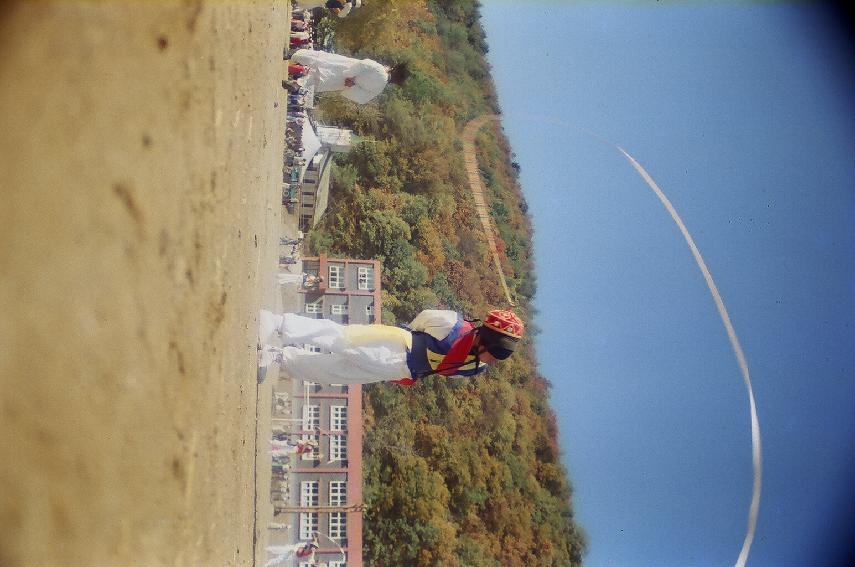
<point x="457" y="472"/>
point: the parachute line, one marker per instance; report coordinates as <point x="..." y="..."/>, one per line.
<point x="756" y="454"/>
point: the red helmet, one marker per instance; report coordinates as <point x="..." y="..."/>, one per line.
<point x="505" y="322"/>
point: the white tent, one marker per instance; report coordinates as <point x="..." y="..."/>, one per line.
<point x="311" y="145"/>
<point x="337" y="139"/>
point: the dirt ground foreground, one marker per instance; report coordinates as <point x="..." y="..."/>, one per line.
<point x="140" y="162"/>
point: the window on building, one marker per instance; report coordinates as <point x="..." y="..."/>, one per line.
<point x="308" y="498"/>
<point x="338" y="492"/>
<point x="338" y="520"/>
<point x="337" y="564"/>
<point x="311" y="421"/>
<point x="312" y="348"/>
<point x="313" y="308"/>
<point x="369" y="312"/>
<point x="338" y="525"/>
<point x="338" y="418"/>
<point x="335" y="280"/>
<point x="363" y="277"/>
<point x="338" y="448"/>
<point x="339" y="309"/>
<point x="309" y="493"/>
<point x="308" y="525"/>
<point x="311" y="416"/>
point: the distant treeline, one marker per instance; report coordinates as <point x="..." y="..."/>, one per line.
<point x="457" y="472"/>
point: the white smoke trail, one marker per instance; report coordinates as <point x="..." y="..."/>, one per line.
<point x="756" y="454"/>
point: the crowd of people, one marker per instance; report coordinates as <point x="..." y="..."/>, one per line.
<point x="291" y="256"/>
<point x="297" y="116"/>
<point x="286" y="446"/>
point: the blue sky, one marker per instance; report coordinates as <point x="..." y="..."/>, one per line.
<point x="744" y="115"/>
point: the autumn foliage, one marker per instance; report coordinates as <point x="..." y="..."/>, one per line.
<point x="457" y="472"/>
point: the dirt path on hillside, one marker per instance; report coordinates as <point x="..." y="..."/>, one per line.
<point x="140" y="163"/>
<point x="470" y="158"/>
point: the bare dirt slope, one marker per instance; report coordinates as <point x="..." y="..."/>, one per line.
<point x="140" y="166"/>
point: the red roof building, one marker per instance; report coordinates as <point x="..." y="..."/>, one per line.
<point x="325" y="487"/>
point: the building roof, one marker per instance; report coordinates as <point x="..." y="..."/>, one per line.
<point x="322" y="194"/>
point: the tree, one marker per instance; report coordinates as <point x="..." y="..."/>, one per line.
<point x="457" y="471"/>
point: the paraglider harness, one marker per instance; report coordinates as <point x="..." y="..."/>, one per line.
<point x="453" y="360"/>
